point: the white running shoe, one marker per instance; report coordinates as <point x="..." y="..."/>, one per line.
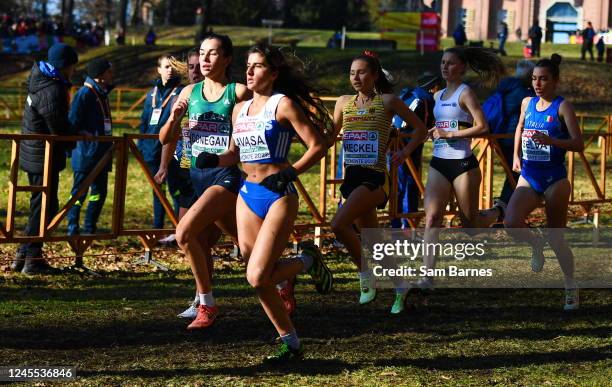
<point x="572" y="300"/>
<point x="170" y="239"/>
<point x="191" y="312"/>
<point x="423" y="283"/>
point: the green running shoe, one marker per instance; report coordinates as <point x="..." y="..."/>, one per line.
<point x="368" y="291"/>
<point x="399" y="304"/>
<point x="320" y="273"/>
<point x="572" y="300"/>
<point x="285" y="355"/>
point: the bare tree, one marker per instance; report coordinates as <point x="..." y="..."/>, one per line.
<point x="109" y="7"/>
<point x="122" y="15"/>
<point x="204" y="20"/>
<point x="43" y="6"/>
<point x="67" y="11"/>
<point x="136" y="13"/>
<point x="168" y="12"/>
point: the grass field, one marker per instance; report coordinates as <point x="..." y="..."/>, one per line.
<point x="121" y="328"/>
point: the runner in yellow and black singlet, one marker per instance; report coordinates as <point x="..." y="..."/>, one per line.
<point x="365" y="119"/>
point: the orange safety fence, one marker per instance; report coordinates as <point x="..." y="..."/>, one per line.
<point x="486" y="148"/>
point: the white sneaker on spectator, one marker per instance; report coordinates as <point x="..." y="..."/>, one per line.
<point x="170" y="239"/>
<point x="191" y="312"/>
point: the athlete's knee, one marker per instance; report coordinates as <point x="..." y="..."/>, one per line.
<point x="256" y="278"/>
<point x="184" y="236"/>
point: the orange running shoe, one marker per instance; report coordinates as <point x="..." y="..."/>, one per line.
<point x="206" y="317"/>
<point x="288" y="295"/>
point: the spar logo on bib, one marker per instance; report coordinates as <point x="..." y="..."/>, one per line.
<point x="360" y="147"/>
<point x="447" y="124"/>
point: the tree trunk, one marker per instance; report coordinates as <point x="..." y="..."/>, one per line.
<point x="109" y="7"/>
<point x="136" y="10"/>
<point x="68" y="10"/>
<point x="122" y="15"/>
<point x="44" y="8"/>
<point x="205" y="21"/>
<point x="168" y="12"/>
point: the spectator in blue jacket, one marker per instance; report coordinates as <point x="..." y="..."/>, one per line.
<point x="513" y="90"/>
<point x="601" y="47"/>
<point x="502" y="36"/>
<point x="420" y="100"/>
<point x="459" y="35"/>
<point x="90" y="115"/>
<point x="157" y="107"/>
<point x="587" y="41"/>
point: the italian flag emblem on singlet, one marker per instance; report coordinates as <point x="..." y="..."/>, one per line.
<point x="549" y="119"/>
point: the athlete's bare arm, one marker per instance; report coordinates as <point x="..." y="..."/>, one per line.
<point x="170" y="131"/>
<point x="340" y="103"/>
<point x="289" y="113"/>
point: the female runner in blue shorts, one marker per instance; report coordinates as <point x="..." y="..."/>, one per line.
<point x="547" y="128"/>
<point x="282" y="107"/>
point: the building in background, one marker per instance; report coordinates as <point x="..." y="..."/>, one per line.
<point x="559" y="19"/>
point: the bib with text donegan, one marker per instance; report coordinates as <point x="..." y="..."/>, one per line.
<point x="533" y="151"/>
<point x="208" y="132"/>
<point x="360" y="147"/>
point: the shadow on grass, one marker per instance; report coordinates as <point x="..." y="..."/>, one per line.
<point x="306" y="367"/>
<point x="488" y="362"/>
<point x="129" y="323"/>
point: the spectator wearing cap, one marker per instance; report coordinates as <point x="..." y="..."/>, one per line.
<point x="420" y="100"/>
<point x="45" y="112"/>
<point x="90" y="115"/>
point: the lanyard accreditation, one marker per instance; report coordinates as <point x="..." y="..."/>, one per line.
<point x="157" y="111"/>
<point x="105" y="108"/>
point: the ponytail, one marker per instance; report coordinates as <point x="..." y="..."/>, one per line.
<point x="484" y="62"/>
<point x="180" y="68"/>
<point x="551" y="64"/>
<point x="383" y="85"/>
<point x="293" y="83"/>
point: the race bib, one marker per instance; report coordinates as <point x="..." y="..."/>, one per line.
<point x="531" y="150"/>
<point x="250" y="137"/>
<point x="449" y="126"/>
<point x="208" y="142"/>
<point x="108" y="129"/>
<point x="155" y="116"/>
<point x="360" y="147"/>
<point x="186" y="153"/>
